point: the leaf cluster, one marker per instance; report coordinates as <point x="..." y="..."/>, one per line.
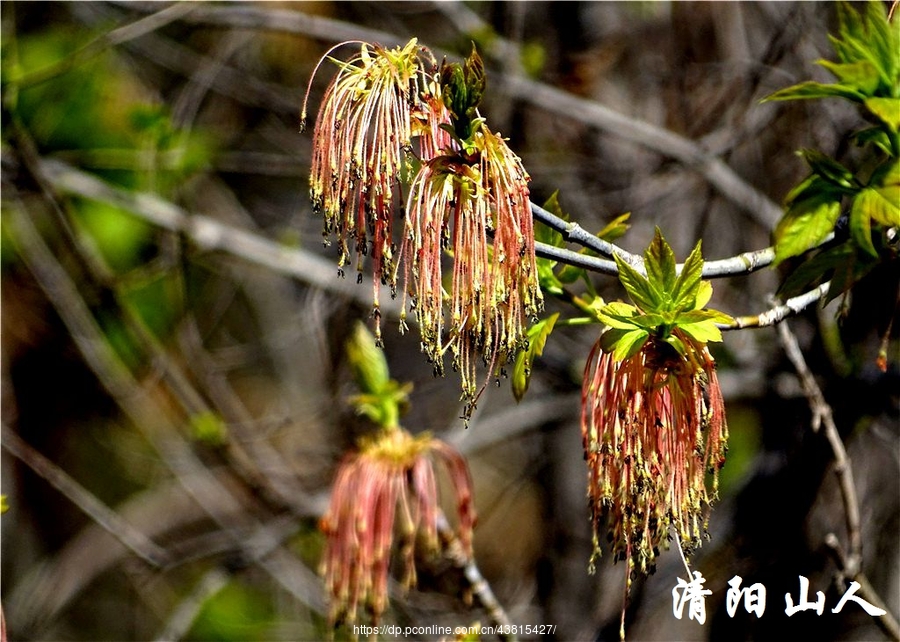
<point x="462" y="87"/>
<point x="867" y="72"/>
<point x="665" y="300"/>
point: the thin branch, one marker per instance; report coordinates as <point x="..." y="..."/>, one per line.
<point x="148" y="416"/>
<point x="117" y="36"/>
<point x="849" y="558"/>
<point x="590" y="263"/>
<point x="108" y="519"/>
<point x="185" y="614"/>
<point x="480" y="587"/>
<point x="778" y="313"/>
<point x="574" y="233"/>
<point x="209" y="234"/>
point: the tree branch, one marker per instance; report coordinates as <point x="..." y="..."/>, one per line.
<point x="850" y="558"/>
<point x="778" y="313"/>
<point x="108" y="519"/>
<point x="210" y="235"/>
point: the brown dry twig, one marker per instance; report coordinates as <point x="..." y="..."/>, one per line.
<point x="849" y="557"/>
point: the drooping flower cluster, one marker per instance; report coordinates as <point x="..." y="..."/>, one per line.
<point x="653" y="419"/>
<point x="387" y="490"/>
<point x="653" y="426"/>
<point x="362" y="139"/>
<point x="468" y="197"/>
<point x="459" y="206"/>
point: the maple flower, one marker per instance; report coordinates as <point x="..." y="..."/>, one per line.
<point x="653" y="419"/>
<point x="387" y="489"/>
<point x="361" y="143"/>
<point x="653" y="426"/>
<point x="459" y="202"/>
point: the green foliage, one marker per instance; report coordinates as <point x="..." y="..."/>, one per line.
<point x="381" y="399"/>
<point x="237" y="612"/>
<point x="462" y="87"/>
<point x="867" y="72"/>
<point x="664" y="301"/>
<point x="95" y="114"/>
<point x="538" y="334"/>
<point x="121" y="239"/>
<point x="208" y="428"/>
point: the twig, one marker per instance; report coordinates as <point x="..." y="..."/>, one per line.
<point x="108" y="519"/>
<point x="144" y="413"/>
<point x="185" y="614"/>
<point x="480" y="587"/>
<point x="117" y="36"/>
<point x="573" y="232"/>
<point x="850" y="558"/>
<point x="210" y="234"/>
<point x="780" y="312"/>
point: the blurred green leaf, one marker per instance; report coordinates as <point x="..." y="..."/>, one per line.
<point x="237" y="613"/>
<point x="122" y="238"/>
<point x="887" y="110"/>
<point x="209" y="428"/>
<point x="806" y="224"/>
<point x="538" y="334"/>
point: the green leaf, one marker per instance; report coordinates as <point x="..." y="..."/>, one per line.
<point x="370" y="368"/>
<point x="828" y="169"/>
<point x="810" y="89"/>
<point x="887" y="110"/>
<point x="883" y="42"/>
<point x="546" y="234"/>
<point x="806" y="224"/>
<point x="875" y="135"/>
<point x="701" y="331"/>
<point x="570" y="273"/>
<point x="616" y="228"/>
<point x="659" y="260"/>
<point x="817" y="269"/>
<point x="546" y="277"/>
<point x="537" y="340"/>
<point x="686" y="288"/>
<point x="849" y="272"/>
<point x="704" y="294"/>
<point x="696" y="316"/>
<point x="623" y="343"/>
<point x="641" y="291"/>
<point x="618" y="315"/>
<point x="873" y="203"/>
<point x="862" y="75"/>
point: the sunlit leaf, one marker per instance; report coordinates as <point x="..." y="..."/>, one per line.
<point x="878" y="204"/>
<point x="811" y="89"/>
<point x="616" y="228"/>
<point x="618" y="315"/>
<point x="684" y="292"/>
<point x="805" y="225"/>
<point x="862" y="75"/>
<point x="538" y="334"/>
<point x="702" y="331"/>
<point x="623" y="343"/>
<point x="659" y="260"/>
<point x="704" y="294"/>
<point x="641" y="291"/>
<point x="887" y="110"/>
